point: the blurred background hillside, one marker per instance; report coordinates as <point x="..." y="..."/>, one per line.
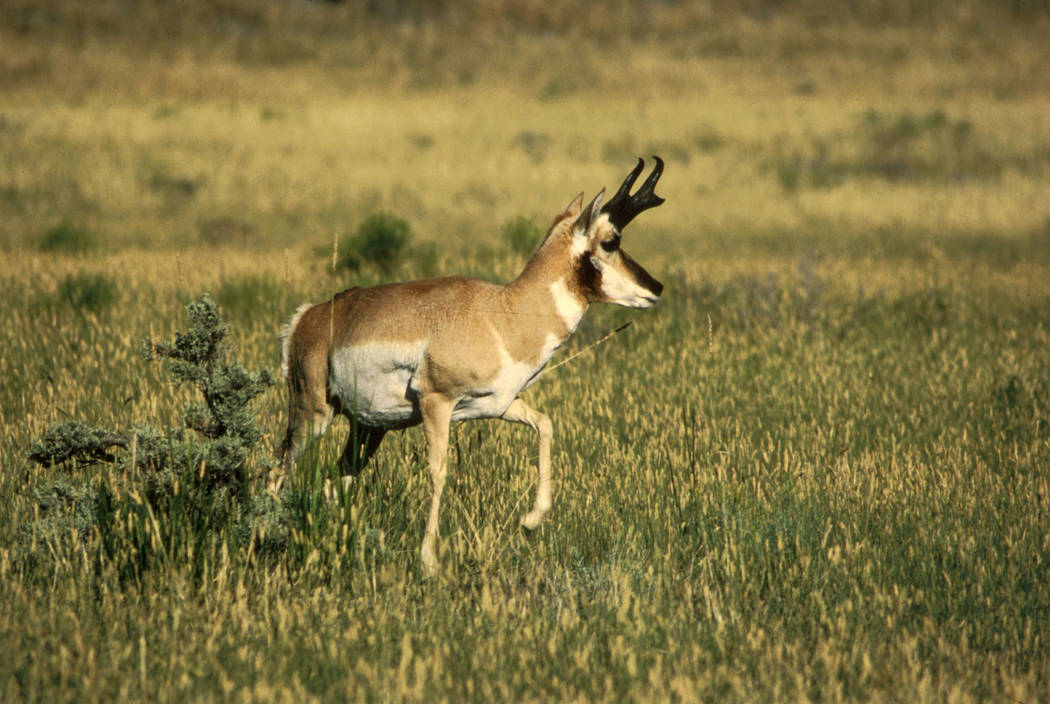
<point x="547" y="47"/>
<point x="785" y="125"/>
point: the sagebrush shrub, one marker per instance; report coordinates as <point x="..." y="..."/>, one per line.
<point x="379" y="241"/>
<point x="192" y="478"/>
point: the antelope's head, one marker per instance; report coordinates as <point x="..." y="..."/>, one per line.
<point x="604" y="272"/>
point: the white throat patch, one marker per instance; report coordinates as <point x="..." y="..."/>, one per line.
<point x="569" y="307"/>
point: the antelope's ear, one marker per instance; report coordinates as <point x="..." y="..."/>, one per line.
<point x="583" y="223"/>
<point x="573" y="209"/>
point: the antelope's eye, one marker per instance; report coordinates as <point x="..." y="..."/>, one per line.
<point x="611" y="245"/>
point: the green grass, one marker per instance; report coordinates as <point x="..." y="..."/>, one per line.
<point x="816" y="471"/>
<point x="841" y="495"/>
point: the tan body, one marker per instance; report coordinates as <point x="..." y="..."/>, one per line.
<point x="449" y="349"/>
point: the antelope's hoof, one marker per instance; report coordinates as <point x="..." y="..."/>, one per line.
<point x="531" y="520"/>
<point x="430" y="564"/>
<point x="331" y="490"/>
<point x="330" y="494"/>
<point x="274" y="482"/>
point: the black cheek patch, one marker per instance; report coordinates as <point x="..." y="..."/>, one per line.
<point x="588" y="278"/>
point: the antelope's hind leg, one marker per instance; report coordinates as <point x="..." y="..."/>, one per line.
<point x="541" y="423"/>
<point x="309" y="415"/>
<point x="361" y="444"/>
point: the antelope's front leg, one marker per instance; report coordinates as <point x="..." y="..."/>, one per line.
<point x="520" y="413"/>
<point x="437" y="415"/>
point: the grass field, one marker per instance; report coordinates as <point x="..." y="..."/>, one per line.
<point x="818" y="470"/>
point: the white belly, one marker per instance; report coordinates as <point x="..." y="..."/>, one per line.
<point x="375" y="382"/>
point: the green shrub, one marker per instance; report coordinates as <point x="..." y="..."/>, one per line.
<point x="379" y="242"/>
<point x="88" y="293"/>
<point x="521" y="235"/>
<point x="69" y="238"/>
<point x="186" y="487"/>
<point x="245" y="295"/>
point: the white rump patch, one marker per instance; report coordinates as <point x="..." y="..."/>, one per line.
<point x="286" y="337"/>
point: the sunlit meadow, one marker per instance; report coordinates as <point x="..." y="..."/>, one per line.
<point x="818" y="470"/>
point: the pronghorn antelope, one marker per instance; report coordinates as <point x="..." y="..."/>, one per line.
<point x="451" y="349"/>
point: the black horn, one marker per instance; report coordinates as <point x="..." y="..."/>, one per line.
<point x="623" y="207"/>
